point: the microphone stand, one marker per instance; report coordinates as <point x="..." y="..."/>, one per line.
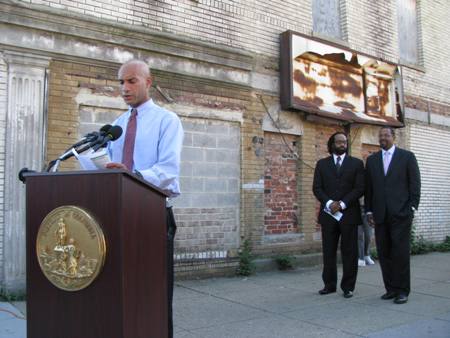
<point x="53" y="165"/>
<point x="95" y="145"/>
<point x="93" y="139"/>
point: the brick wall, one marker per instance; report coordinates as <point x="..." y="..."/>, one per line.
<point x="280" y="184"/>
<point x="307" y="201"/>
<point x="371" y="27"/>
<point x="323" y="133"/>
<point x="245" y="24"/>
<point x="252" y="196"/>
<point x="254" y="27"/>
<point x="367" y="26"/>
<point x="367" y="150"/>
<point x="431" y="81"/>
<point x="3" y="107"/>
<point x="290" y="206"/>
<point x="430" y="145"/>
<point x="67" y="80"/>
<point x="93" y="117"/>
<point x="426" y="92"/>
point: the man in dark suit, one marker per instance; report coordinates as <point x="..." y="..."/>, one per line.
<point x="338" y="185"/>
<point x="392" y="195"/>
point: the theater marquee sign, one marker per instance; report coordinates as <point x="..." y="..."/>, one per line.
<point x="330" y="81"/>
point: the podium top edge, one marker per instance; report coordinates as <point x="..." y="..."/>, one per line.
<point x="97" y="172"/>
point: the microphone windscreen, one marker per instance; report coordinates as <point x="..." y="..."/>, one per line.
<point x="106" y="128"/>
<point x="115" y="132"/>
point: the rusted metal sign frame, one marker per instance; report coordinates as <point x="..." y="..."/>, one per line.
<point x="375" y="86"/>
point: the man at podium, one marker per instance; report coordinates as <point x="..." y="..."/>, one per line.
<point x="150" y="147"/>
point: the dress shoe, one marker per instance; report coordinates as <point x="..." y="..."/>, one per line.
<point x="348" y="294"/>
<point x="369" y="260"/>
<point x="361" y="262"/>
<point x="326" y="291"/>
<point x="389" y="295"/>
<point x="401" y="299"/>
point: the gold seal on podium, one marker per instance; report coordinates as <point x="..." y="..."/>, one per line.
<point x="70" y="248"/>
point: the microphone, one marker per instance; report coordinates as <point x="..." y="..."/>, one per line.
<point x="95" y="140"/>
<point x="105" y="128"/>
<point x="113" y="134"/>
<point x="92" y="136"/>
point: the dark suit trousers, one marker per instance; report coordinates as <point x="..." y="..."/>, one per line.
<point x="393" y="246"/>
<point x="331" y="232"/>
<point x="171" y="230"/>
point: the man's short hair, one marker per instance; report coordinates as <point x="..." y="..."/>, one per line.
<point x="390" y="128"/>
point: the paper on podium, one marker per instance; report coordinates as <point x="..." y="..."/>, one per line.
<point x="337" y="215"/>
<point x="93" y="160"/>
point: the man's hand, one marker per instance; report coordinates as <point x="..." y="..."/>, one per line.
<point x="335" y="207"/>
<point x="370" y="220"/>
<point x="114" y="165"/>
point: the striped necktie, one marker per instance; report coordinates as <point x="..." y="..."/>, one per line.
<point x="130" y="136"/>
<point x="338" y="164"/>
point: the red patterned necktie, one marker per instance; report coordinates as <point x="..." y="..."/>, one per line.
<point x="130" y="136"/>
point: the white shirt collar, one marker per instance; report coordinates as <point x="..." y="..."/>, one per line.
<point x="342" y="157"/>
<point x="146" y="105"/>
<point x="390" y="150"/>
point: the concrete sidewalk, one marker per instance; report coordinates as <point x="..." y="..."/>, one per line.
<point x="286" y="304"/>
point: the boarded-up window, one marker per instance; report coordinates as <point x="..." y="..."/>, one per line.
<point x="407" y="30"/>
<point x="326" y="18"/>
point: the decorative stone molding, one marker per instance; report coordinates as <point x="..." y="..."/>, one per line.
<point x="25" y="137"/>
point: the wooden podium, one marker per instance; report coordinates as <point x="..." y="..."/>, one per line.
<point x="128" y="299"/>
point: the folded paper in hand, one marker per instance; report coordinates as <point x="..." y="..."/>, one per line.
<point x="337" y="215"/>
<point x="93" y="160"/>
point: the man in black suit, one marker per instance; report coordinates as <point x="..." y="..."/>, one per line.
<point x="392" y="195"/>
<point x="338" y="185"/>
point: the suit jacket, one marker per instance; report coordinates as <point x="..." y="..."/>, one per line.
<point x="396" y="192"/>
<point x="347" y="186"/>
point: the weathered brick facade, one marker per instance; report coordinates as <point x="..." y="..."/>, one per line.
<point x="280" y="184"/>
<point x="243" y="176"/>
<point x="69" y="116"/>
<point x="228" y="23"/>
<point x="208" y="211"/>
